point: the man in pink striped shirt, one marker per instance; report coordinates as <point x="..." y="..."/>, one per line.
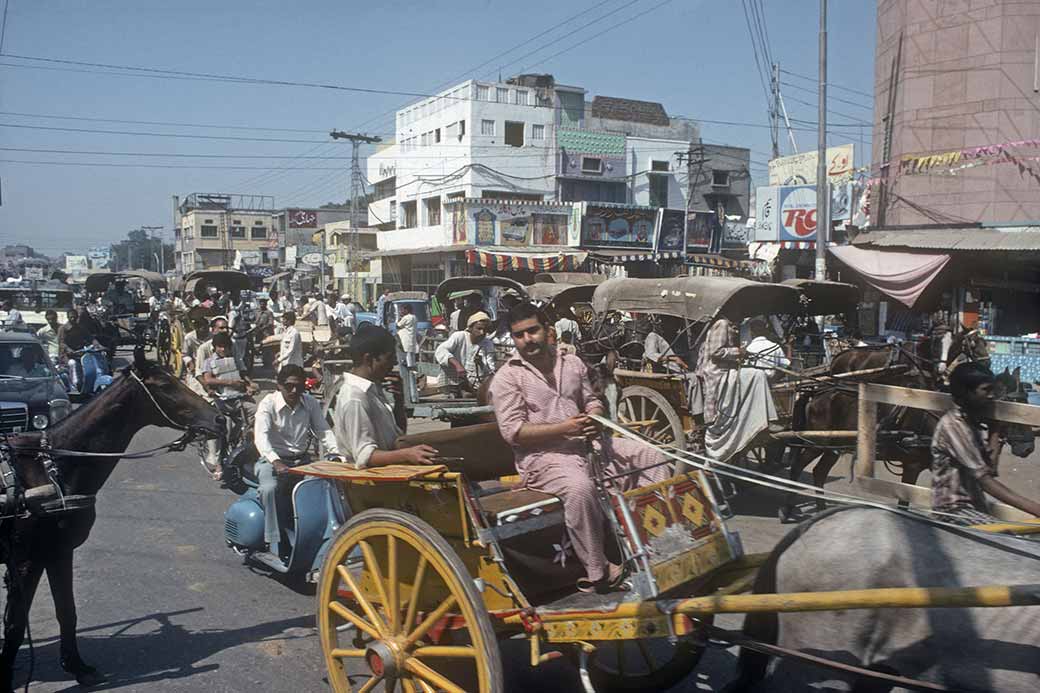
<point x="542" y="400"/>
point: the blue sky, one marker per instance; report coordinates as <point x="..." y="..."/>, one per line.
<point x="694" y="56"/>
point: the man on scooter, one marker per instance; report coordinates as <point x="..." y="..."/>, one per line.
<point x="225" y="383"/>
<point x="287" y="421"/>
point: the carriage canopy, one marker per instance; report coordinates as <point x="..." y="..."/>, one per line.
<point x="826" y="298"/>
<point x="224" y="280"/>
<point x="695" y="298"/>
<point x="571" y="278"/>
<point x="99" y="281"/>
<point x="448" y="287"/>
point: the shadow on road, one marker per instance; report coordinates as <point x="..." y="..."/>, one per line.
<point x="168" y="652"/>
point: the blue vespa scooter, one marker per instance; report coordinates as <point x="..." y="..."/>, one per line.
<point x="316" y="513"/>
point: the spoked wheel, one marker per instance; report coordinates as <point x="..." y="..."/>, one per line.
<point x="642" y="665"/>
<point x="649" y="413"/>
<point x="381" y="613"/>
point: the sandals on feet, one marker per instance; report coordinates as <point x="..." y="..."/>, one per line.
<point x="616" y="579"/>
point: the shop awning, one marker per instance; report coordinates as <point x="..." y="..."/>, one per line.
<point x="1000" y="238"/>
<point x="505" y="260"/>
<point x="903" y="276"/>
<point x="619" y="257"/>
<point x="721" y="262"/>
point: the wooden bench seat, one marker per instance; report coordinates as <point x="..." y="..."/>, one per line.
<point x="516" y="505"/>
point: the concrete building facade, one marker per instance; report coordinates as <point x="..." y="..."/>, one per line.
<point x="956" y="96"/>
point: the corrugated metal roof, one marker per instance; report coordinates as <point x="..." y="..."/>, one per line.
<point x="1007" y="238"/>
<point x="589" y="142"/>
<point x="632" y="110"/>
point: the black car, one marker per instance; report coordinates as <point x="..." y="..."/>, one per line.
<point x="32" y="395"/>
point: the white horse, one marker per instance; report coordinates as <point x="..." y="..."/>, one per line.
<point x="978" y="649"/>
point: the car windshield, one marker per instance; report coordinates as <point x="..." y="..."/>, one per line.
<point x="421" y="311"/>
<point x="24" y="360"/>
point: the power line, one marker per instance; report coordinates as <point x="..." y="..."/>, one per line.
<point x="142" y="165"/>
<point x="156" y="134"/>
<point x="831" y="97"/>
<point x="163" y="154"/>
<point x="156" y="122"/>
<point x="856" y="119"/>
<point x="829" y="84"/>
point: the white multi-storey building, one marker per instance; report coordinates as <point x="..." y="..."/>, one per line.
<point x="495" y="163"/>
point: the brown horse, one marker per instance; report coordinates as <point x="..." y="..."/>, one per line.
<point x="834" y="408"/>
<point x="31" y="543"/>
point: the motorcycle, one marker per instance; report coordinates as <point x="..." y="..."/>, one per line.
<point x="317" y="511"/>
<point x="87" y="372"/>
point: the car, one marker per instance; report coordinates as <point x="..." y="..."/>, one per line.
<point x="32" y="394"/>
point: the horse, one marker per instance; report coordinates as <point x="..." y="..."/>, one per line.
<point x="144" y="395"/>
<point x="834" y="408"/>
<point x="958" y="649"/>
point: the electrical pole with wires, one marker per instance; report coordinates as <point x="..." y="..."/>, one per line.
<point x="693" y="157"/>
<point x="823" y="191"/>
<point x="774" y="111"/>
<point x="356" y="191"/>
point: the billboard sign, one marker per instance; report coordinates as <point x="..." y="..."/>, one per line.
<point x="670" y="236"/>
<point x="796" y="217"/>
<point x="800" y="169"/>
<point x="302" y="218"/>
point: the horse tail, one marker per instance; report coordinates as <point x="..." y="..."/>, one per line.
<point x="764" y="627"/>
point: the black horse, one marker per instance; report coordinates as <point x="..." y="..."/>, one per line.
<point x="144" y="395"/>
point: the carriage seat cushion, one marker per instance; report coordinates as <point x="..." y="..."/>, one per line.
<point x="518" y="504"/>
<point x="483" y="454"/>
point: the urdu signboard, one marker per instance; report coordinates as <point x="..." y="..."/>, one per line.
<point x="800" y="169"/>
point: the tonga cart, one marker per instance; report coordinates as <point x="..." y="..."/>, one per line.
<point x="441" y="563"/>
<point x="131" y="321"/>
<point x="659" y="403"/>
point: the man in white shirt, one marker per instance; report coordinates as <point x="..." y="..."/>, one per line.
<point x="763" y="353"/>
<point x="344" y="315"/>
<point x="659" y="352"/>
<point x="406" y="338"/>
<point x="287" y="421"/>
<point x="291" y="348"/>
<point x="14" y="320"/>
<point x="314" y="311"/>
<point x="366" y="424"/>
<point x="467" y="357"/>
<point x="48" y="335"/>
<point x="566" y="324"/>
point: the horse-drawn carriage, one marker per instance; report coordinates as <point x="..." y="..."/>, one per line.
<point x="439" y="563"/>
<point x="128" y="319"/>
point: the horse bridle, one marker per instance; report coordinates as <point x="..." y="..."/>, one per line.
<point x="190" y="432"/>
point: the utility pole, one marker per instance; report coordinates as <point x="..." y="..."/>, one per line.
<point x="823" y="191"/>
<point x="158" y="230"/>
<point x="774" y="111"/>
<point x="353" y="245"/>
<point x="695" y="160"/>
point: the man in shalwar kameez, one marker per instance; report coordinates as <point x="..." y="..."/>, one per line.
<point x="720" y="352"/>
<point x="542" y="399"/>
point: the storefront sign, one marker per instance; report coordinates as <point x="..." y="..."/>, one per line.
<point x="302" y="218"/>
<point x="670" y="234"/>
<point x="618" y="227"/>
<point x="800" y="169"/>
<point x="796" y="220"/>
<point x="700" y="230"/>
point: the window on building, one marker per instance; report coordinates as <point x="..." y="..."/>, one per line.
<point x="238" y="232"/>
<point x="537" y="132"/>
<point x="408" y="210"/>
<point x="462" y="129"/>
<point x="514" y="134"/>
<point x="437" y="136"/>
<point x="433" y="211"/>
<point x="208" y="231"/>
<point x="719" y="179"/>
<point x="426" y="277"/>
<point x="520" y="97"/>
<point x="658" y="190"/>
<point x="487" y="127"/>
<point x="483" y="92"/>
<point x="501" y="95"/>
<point x="656" y="165"/>
<point x="393" y="212"/>
<point x="258" y="232"/>
<point x="424" y="140"/>
<point x="591" y="165"/>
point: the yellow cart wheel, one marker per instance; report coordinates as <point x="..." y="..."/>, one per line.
<point x="389" y="585"/>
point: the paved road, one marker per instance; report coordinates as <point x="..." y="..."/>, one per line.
<point x="163" y="605"/>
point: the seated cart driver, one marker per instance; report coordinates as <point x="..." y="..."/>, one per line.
<point x="542" y="400"/>
<point x="467" y="356"/>
<point x="763" y="352"/>
<point x="287" y="422"/>
<point x="965" y="452"/>
<point x="658" y="351"/>
<point x="366" y="424"/>
<point x="720" y="352"/>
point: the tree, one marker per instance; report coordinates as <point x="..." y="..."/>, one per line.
<point x="141" y="251"/>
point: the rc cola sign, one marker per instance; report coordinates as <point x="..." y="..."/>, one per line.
<point x="797" y="213"/>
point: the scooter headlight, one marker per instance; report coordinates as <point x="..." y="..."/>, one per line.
<point x="40" y="422"/>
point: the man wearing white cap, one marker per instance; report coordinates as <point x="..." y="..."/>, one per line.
<point x="344" y="314"/>
<point x="468" y="356"/>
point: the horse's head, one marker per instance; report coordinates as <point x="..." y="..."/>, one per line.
<point x="170" y="402"/>
<point x="1019" y="437"/>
